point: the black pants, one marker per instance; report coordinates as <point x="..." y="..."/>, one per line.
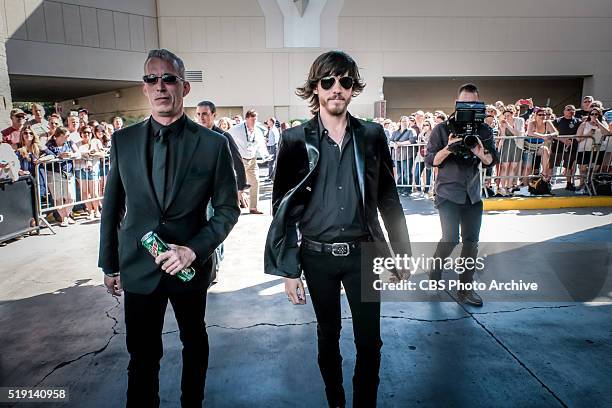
<point x="324" y="274"/>
<point x="453" y="217"/>
<point x="144" y="320"/>
<point x="272" y="152"/>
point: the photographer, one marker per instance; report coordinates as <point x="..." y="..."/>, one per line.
<point x="458" y="188"/>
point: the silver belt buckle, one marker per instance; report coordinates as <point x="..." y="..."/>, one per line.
<point x="340" y="249"/>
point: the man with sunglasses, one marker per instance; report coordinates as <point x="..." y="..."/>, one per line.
<point x="11" y="134"/>
<point x="164" y="172"/>
<point x="333" y="174"/>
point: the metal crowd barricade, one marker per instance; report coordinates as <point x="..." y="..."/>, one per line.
<point x="62" y="184"/>
<point x="568" y="158"/>
<point x="601" y="169"/>
<point x="410" y="171"/>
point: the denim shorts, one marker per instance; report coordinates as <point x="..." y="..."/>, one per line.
<point x="84" y="174"/>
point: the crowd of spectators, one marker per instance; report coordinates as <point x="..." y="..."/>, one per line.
<point x="68" y="156"/>
<point x="532" y="141"/>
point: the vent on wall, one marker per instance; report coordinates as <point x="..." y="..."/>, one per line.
<point x="193" y="76"/>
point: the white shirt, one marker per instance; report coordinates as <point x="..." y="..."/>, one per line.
<point x="74" y="137"/>
<point x="8" y="156"/>
<point x="249" y="143"/>
<point x="273" y="136"/>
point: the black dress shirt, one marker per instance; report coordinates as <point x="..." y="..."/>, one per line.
<point x="334" y="213"/>
<point x="175" y="144"/>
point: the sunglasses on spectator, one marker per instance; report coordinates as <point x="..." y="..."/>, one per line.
<point x="542" y="114"/>
<point x="166" y="79"/>
<point x="86" y="133"/>
<point x="28" y="133"/>
<point x="594" y="114"/>
<point x="570" y="109"/>
<point x="328" y="82"/>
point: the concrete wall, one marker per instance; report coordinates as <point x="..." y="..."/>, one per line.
<point x="100" y="39"/>
<point x="250" y="58"/>
<point x="5" y="89"/>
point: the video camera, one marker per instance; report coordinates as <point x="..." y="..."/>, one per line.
<point x="465" y="124"/>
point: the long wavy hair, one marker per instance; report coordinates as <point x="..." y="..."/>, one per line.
<point x="332" y="63"/>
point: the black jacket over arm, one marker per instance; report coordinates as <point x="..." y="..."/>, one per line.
<point x="204" y="173"/>
<point x="236" y="159"/>
<point x="296" y="169"/>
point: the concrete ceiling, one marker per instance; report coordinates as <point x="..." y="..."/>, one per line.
<point x="25" y="88"/>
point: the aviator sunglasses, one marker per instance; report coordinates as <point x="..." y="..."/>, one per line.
<point x="345" y="82"/>
<point x="166" y="79"/>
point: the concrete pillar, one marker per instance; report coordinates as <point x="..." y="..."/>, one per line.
<point x="5" y="88"/>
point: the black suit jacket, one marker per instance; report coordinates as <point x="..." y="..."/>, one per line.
<point x="131" y="209"/>
<point x="296" y="169"/>
<point x="236" y="158"/>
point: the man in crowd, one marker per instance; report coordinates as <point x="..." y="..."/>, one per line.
<point x="117" y="123"/>
<point x="11" y="134"/>
<point x="164" y="172"/>
<point x="206" y="112"/>
<point x="73" y="128"/>
<point x="333" y="174"/>
<point x="272" y="139"/>
<point x="39" y="124"/>
<point x="403" y="155"/>
<point x="83" y="116"/>
<point x="250" y="140"/>
<point x="585" y="107"/>
<point x="567" y="148"/>
<point x="458" y="192"/>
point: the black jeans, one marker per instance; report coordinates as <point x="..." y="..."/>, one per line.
<point x="454" y="216"/>
<point x="144" y="321"/>
<point x="324" y="273"/>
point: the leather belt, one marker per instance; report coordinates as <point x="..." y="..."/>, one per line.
<point x="335" y="248"/>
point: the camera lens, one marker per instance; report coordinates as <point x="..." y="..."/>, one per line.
<point x="470" y="141"/>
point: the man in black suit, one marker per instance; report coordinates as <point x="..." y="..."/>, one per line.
<point x="164" y="171"/>
<point x="333" y="174"/>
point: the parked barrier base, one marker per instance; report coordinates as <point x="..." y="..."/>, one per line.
<point x="541" y="203"/>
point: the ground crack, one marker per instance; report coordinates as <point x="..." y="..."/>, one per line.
<point x="523" y="308"/>
<point x="94" y="352"/>
<point x="514" y="356"/>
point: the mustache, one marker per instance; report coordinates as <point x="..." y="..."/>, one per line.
<point x="336" y="98"/>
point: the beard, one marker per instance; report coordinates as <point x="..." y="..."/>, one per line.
<point x="335" y="106"/>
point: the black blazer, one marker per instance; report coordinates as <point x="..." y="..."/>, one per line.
<point x="296" y="169"/>
<point x="131" y="209"/>
<point x="236" y="158"/>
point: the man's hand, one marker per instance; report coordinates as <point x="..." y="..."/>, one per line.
<point x="478" y="150"/>
<point x="176" y="259"/>
<point x="113" y="285"/>
<point x="452" y="139"/>
<point x="294" y="288"/>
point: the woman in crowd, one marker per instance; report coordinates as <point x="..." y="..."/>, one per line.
<point x="510" y="147"/>
<point x="537" y="147"/>
<point x="103" y="134"/>
<point x="224" y="124"/>
<point x="60" y="174"/>
<point x="87" y="170"/>
<point x="590" y="134"/>
<point x="30" y="154"/>
<point x="422" y="179"/>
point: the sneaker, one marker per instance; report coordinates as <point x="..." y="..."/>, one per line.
<point x="70" y="220"/>
<point x="97" y="214"/>
<point x="64" y="223"/>
<point x="90" y="216"/>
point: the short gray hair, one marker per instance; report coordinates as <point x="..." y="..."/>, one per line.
<point x="168" y="56"/>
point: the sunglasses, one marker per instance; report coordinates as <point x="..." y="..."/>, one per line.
<point x="166" y="79"/>
<point x="542" y="114"/>
<point x="328" y="82"/>
<point x="86" y="133"/>
<point x="594" y="114"/>
<point x="28" y="133"/>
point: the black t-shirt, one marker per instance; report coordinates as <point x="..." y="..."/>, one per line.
<point x="567" y="126"/>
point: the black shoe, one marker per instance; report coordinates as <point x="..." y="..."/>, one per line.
<point x="435" y="274"/>
<point x="570" y="187"/>
<point x="490" y="192"/>
<point x="469" y="297"/>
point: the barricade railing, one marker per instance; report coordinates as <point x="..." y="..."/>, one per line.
<point x="410" y="171"/>
<point x="65" y="183"/>
<point x="601" y="170"/>
<point x="555" y="158"/>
